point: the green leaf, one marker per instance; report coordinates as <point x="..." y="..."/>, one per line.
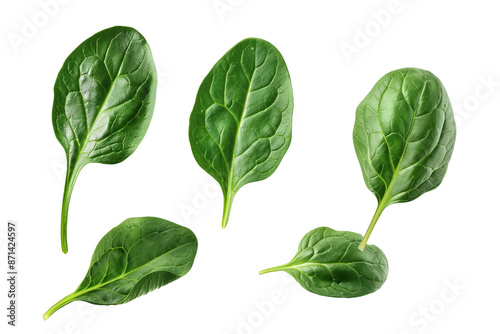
<point x="134" y="258"/>
<point x="329" y="263"/>
<point x="104" y="98"/>
<point x="404" y="137"/>
<point x="241" y="124"/>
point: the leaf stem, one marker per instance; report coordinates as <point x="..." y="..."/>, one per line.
<point x="375" y="218"/>
<point x="65" y="301"/>
<point x="71" y="175"/>
<point x="273" y="269"/>
<point x="228" y="202"/>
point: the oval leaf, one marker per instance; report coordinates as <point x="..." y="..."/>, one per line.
<point x="134" y="258"/>
<point x="329" y="263"/>
<point x="241" y="124"/>
<point x="104" y="98"/>
<point x="404" y="137"/>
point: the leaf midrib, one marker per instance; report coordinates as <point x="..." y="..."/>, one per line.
<point x="87" y="137"/>
<point x="324" y="264"/>
<point x="229" y="191"/>
<point x="386" y="197"/>
<point x="123" y="276"/>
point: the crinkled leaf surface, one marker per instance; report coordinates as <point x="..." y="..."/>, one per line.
<point x="104" y="98"/>
<point x="134" y="258"/>
<point x="241" y="123"/>
<point x="329" y="263"/>
<point x="404" y="136"/>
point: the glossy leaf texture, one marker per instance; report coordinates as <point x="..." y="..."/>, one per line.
<point x="329" y="263"/>
<point x="404" y="137"/>
<point x="134" y="258"/>
<point x="241" y="124"/>
<point x="104" y="98"/>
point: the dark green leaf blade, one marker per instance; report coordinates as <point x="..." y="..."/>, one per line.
<point x="104" y="98"/>
<point x="134" y="258"/>
<point x="404" y="137"/>
<point x="329" y="263"/>
<point x="241" y="124"/>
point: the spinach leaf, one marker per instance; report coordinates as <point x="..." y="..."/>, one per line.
<point x="241" y="124"/>
<point x="104" y="98"/>
<point x="404" y="137"/>
<point x="134" y="258"/>
<point x="329" y="263"/>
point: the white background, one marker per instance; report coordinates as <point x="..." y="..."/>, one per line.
<point x="446" y="237"/>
